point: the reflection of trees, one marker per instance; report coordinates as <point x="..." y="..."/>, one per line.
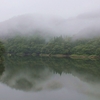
<point x="57" y="65"/>
<point x="1" y="68"/>
<point x="26" y="73"/>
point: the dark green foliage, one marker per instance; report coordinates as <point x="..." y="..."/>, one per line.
<point x="88" y="47"/>
<point x="2" y="50"/>
<point x="20" y="45"/>
<point x="2" y="68"/>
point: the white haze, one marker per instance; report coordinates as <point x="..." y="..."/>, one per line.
<point x="62" y="8"/>
<point x="77" y="18"/>
<point x="83" y="26"/>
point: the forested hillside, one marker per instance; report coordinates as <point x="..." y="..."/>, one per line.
<point x="20" y="45"/>
<point x="2" y="50"/>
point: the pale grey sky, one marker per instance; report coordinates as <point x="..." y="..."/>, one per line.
<point x="61" y="8"/>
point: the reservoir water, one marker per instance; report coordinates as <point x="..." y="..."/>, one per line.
<point x="34" y="78"/>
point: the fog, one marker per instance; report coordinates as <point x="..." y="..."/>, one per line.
<point x="83" y="26"/>
<point x="79" y="19"/>
<point x="62" y="8"/>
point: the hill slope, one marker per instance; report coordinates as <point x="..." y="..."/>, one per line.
<point x="83" y="26"/>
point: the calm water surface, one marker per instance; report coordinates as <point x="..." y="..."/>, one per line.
<point x="31" y="78"/>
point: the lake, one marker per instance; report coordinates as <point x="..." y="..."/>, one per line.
<point x="34" y="78"/>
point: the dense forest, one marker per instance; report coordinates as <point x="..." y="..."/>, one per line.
<point x="2" y="50"/>
<point x="22" y="45"/>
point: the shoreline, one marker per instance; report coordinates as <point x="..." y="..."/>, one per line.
<point x="73" y="56"/>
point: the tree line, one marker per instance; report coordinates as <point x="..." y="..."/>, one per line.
<point x="2" y="50"/>
<point x="21" y="45"/>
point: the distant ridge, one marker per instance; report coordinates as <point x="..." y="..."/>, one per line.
<point x="83" y="26"/>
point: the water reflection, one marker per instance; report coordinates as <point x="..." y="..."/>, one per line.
<point x="2" y="68"/>
<point x="43" y="74"/>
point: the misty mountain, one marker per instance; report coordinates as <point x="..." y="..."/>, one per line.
<point x="82" y="26"/>
<point x="30" y="24"/>
<point x="93" y="29"/>
<point x="88" y="33"/>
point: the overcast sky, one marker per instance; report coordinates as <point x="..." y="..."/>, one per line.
<point x="61" y="8"/>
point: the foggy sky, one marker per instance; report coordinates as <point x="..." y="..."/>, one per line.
<point x="61" y="8"/>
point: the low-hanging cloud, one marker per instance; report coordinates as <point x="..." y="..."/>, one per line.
<point x="79" y="27"/>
